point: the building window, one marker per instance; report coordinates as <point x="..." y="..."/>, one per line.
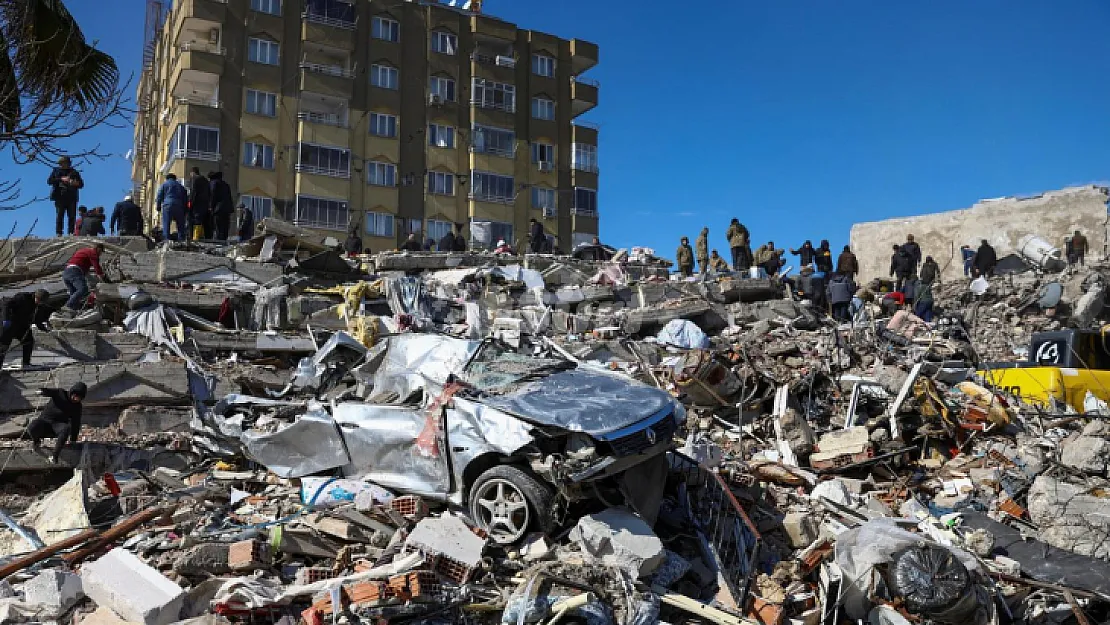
<point x="324" y="161"/>
<point x="543" y="65"/>
<point x="379" y="224"/>
<point x="384" y="76"/>
<point x="496" y="141"/>
<point x="385" y="29"/>
<point x="258" y="155"/>
<point x="543" y="198"/>
<point x="261" y="103"/>
<point x="486" y="234"/>
<point x="261" y="207"/>
<point x="383" y="125"/>
<point x="585" y="157"/>
<point x="339" y="13"/>
<point x="440" y="136"/>
<point x="273" y="7"/>
<point x="445" y="43"/>
<point x="585" y="201"/>
<point x="543" y="153"/>
<point x="542" y="108"/>
<point x="441" y="183"/>
<point x="489" y="187"/>
<point x="315" y="212"/>
<point x="493" y="95"/>
<point x="438" y="229"/>
<point x="195" y="142"/>
<point x="444" y="88"/>
<point x="263" y="51"/>
<point x="381" y="174"/>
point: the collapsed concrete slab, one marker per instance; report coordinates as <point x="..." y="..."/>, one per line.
<point x="132" y="589"/>
<point x="195" y="268"/>
<point x="110" y="384"/>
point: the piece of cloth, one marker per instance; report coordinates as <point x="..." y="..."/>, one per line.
<point x="77" y="285"/>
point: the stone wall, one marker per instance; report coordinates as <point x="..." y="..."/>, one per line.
<point x="1003" y="222"/>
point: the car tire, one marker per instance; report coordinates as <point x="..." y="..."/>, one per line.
<point x="496" y="499"/>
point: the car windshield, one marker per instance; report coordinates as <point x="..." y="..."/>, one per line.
<point x="498" y="369"/>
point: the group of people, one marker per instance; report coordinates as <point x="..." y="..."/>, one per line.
<point x="202" y="210"/>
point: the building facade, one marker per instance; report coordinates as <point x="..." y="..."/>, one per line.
<point x="389" y="116"/>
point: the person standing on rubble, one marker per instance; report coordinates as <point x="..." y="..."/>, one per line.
<point x="171" y="201"/>
<point x="985" y="260"/>
<point x="447" y="243"/>
<point x="823" y="258"/>
<point x="1077" y="248"/>
<point x="81" y="212"/>
<point x="840" y="296"/>
<point x="702" y="248"/>
<point x="93" y="224"/>
<point x="923" y="300"/>
<point x="806" y="253"/>
<point x="847" y="264"/>
<point x="222" y="203"/>
<point x="75" y="276"/>
<point x="200" y="198"/>
<point x="65" y="190"/>
<point x="739" y="241"/>
<point x="353" y="244"/>
<point x="411" y="244"/>
<point x="127" y="218"/>
<point x="717" y="264"/>
<point x="536" y="236"/>
<point x="60" y="418"/>
<point x="968" y="256"/>
<point x="684" y="258"/>
<point x="246" y="222"/>
<point x="930" y="270"/>
<point x="20" y="312"/>
<point x="901" y="266"/>
<point x="914" y="250"/>
<point x="460" y="240"/>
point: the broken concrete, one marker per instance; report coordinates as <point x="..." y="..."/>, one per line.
<point x="132" y="589"/>
<point x="619" y="538"/>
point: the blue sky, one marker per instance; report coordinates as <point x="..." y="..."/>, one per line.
<point x="798" y="117"/>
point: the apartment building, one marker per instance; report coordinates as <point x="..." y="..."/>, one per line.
<point x="389" y="116"/>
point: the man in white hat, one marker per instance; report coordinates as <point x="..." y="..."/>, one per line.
<point x="127" y="218"/>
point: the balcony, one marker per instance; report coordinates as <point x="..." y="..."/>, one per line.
<point x="327" y="119"/>
<point x="203" y="110"/>
<point x="196" y="155"/>
<point x="332" y="29"/>
<point x="491" y="105"/>
<point x="584" y="212"/>
<point x="493" y="150"/>
<point x="346" y="22"/>
<point x="322" y="171"/>
<point x="197" y="100"/>
<point x="211" y="11"/>
<point x="330" y="80"/>
<point x="496" y="60"/>
<point x="583" y="56"/>
<point x="481" y="196"/>
<point x="583" y="95"/>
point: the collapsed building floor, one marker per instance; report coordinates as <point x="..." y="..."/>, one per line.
<point x="275" y="433"/>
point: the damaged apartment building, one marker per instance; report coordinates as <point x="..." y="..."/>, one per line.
<point x="390" y="118"/>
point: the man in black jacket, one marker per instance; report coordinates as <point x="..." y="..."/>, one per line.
<point x="200" y="197"/>
<point x="447" y="243"/>
<point x="127" y="218"/>
<point x="20" y="312"/>
<point x="353" y="244"/>
<point x="460" y="240"/>
<point x="806" y="252"/>
<point x="901" y="266"/>
<point x="93" y="223"/>
<point x="222" y="204"/>
<point x="65" y="184"/>
<point x="985" y="260"/>
<point x="246" y="222"/>
<point x="914" y="250"/>
<point x="60" y="418"/>
<point x="537" y="238"/>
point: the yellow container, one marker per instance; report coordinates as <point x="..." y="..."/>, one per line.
<point x="1036" y="385"/>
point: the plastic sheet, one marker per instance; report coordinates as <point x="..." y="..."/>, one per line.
<point x="930" y="579"/>
<point x="684" y="334"/>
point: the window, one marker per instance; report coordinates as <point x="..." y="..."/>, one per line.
<point x="325" y="161"/>
<point x="585" y="201"/>
<point x="273" y="7"/>
<point x="383" y="76"/>
<point x="379" y="224"/>
<point x="258" y="155"/>
<point x="438" y="229"/>
<point x="445" y="43"/>
<point x="262" y="51"/>
<point x="316" y="212"/>
<point x="385" y="29"/>
<point x="381" y="174"/>
<point x="497" y="141"/>
<point x="543" y="153"/>
<point x="261" y="103"/>
<point x="492" y="188"/>
<point x="585" y="157"/>
<point x="442" y="87"/>
<point x="261" y="207"/>
<point x="543" y="65"/>
<point x="542" y="108"/>
<point x="441" y="183"/>
<point x="486" y="234"/>
<point x="493" y="95"/>
<point x="440" y="136"/>
<point x="195" y="142"/>
<point x="383" y="125"/>
<point x="340" y="13"/>
<point x="543" y="198"/>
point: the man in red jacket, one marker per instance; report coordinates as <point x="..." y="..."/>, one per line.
<point x="75" y="276"/>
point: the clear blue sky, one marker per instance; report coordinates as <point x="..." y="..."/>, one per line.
<point x="798" y="117"/>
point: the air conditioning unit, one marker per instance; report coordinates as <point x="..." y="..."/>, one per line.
<point x="434" y="99"/>
<point x="550" y="211"/>
<point x="546" y="166"/>
<point x="505" y="61"/>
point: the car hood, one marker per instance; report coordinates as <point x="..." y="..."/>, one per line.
<point x="583" y="401"/>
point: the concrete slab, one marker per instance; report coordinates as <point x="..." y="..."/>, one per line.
<point x="132" y="589"/>
<point x="618" y="537"/>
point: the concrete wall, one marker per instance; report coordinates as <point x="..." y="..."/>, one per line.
<point x="1052" y="216"/>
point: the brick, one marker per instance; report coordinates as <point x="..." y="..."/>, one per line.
<point x="248" y="555"/>
<point x="132" y="589"/>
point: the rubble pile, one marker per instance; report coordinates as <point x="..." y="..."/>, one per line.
<point x="277" y="433"/>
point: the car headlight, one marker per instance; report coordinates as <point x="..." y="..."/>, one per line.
<point x="580" y="446"/>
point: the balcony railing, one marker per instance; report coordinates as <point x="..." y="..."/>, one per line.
<point x="493" y="150"/>
<point x="500" y="60"/>
<point x="329" y="70"/>
<point x="199" y="155"/>
<point x="202" y="46"/>
<point x="590" y="82"/>
<point x="508" y="107"/>
<point x="328" y="119"/>
<point x="481" y="196"/>
<point x="587" y="167"/>
<point x="583" y="212"/>
<point x="197" y="100"/>
<point x="339" y="223"/>
<point x="585" y="124"/>
<point x="338" y="22"/>
<point x="323" y="171"/>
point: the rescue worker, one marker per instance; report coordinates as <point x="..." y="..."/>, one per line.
<point x="246" y="222"/>
<point x="717" y="264"/>
<point x="65" y="191"/>
<point x="823" y="258"/>
<point x="460" y="240"/>
<point x="739" y="241"/>
<point x="968" y="256"/>
<point x="171" y="201"/>
<point x="537" y="237"/>
<point x="847" y="264"/>
<point x="200" y="198"/>
<point x="901" y="266"/>
<point x="411" y="244"/>
<point x="60" y="418"/>
<point x="353" y="244"/>
<point x="1078" y="249"/>
<point x="222" y="204"/>
<point x="127" y="218"/>
<point x="447" y="243"/>
<point x="930" y="270"/>
<point x="75" y="276"/>
<point x="985" y="259"/>
<point x="684" y="258"/>
<point x="81" y="212"/>
<point x="20" y="312"/>
<point x="923" y="300"/>
<point x="701" y="246"/>
<point x="914" y="250"/>
<point x="805" y="252"/>
<point x="93" y="223"/>
<point x="840" y="297"/>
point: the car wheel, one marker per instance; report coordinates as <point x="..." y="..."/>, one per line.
<point x="507" y="501"/>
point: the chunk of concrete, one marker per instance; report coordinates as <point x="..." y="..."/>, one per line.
<point x="801" y="528"/>
<point x="105" y="616"/>
<point x="618" y="537"/>
<point x="1069" y="517"/>
<point x="1086" y="453"/>
<point x="447" y="536"/>
<point x="132" y="589"/>
<point x="57" y="591"/>
<point x="203" y="559"/>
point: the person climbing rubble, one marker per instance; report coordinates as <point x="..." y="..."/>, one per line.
<point x="60" y="418"/>
<point x="75" y="276"/>
<point x="22" y="311"/>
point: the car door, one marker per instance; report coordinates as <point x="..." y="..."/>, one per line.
<point x="399" y="447"/>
